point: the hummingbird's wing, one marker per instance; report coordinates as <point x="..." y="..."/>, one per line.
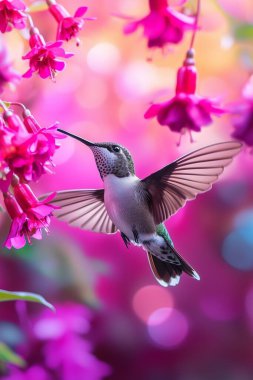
<point x="169" y="188"/>
<point x="84" y="209"/>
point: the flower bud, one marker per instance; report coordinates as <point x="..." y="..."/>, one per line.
<point x="31" y="124"/>
<point x="36" y="39"/>
<point x="12" y="206"/>
<point x="12" y="120"/>
<point x="58" y="11"/>
<point x="25" y="196"/>
<point x="187" y="75"/>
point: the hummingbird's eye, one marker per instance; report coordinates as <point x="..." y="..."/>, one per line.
<point x="116" y="148"/>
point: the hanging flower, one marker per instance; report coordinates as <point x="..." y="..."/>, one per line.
<point x="44" y="56"/>
<point x="243" y="121"/>
<point x="12" y="14"/>
<point x="29" y="215"/>
<point x="18" y="229"/>
<point x="162" y="25"/>
<point x="186" y="110"/>
<point x="68" y="26"/>
<point x="7" y="74"/>
<point x="66" y="350"/>
<point x="32" y="154"/>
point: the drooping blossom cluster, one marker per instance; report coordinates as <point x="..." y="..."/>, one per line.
<point x="65" y="351"/>
<point x="45" y="58"/>
<point x="163" y="25"/>
<point x="68" y="26"/>
<point x="186" y="110"/>
<point x="12" y="15"/>
<point x="243" y="115"/>
<point x="26" y="152"/>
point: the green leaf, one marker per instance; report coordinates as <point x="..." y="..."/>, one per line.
<point x="8" y="356"/>
<point x="38" y="6"/>
<point x="24" y="296"/>
<point x="244" y="32"/>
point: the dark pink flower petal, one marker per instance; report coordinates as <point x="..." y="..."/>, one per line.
<point x="80" y="11"/>
<point x="131" y="27"/>
<point x="162" y="25"/>
<point x="153" y="111"/>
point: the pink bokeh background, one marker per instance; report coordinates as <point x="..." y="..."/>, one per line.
<point x="197" y="330"/>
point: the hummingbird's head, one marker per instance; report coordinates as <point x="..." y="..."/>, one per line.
<point x="111" y="158"/>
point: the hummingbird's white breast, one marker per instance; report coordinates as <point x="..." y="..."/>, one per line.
<point x="125" y="205"/>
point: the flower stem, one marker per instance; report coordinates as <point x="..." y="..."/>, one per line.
<point x="195" y="24"/>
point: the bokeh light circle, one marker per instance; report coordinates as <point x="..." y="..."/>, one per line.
<point x="237" y="248"/>
<point x="103" y="58"/>
<point x="150" y="298"/>
<point x="168" y="327"/>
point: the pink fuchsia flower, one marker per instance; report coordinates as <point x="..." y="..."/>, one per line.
<point x="31" y="155"/>
<point x="68" y="26"/>
<point x="7" y="74"/>
<point x="186" y="110"/>
<point x="44" y="56"/>
<point x="12" y="14"/>
<point x="29" y="215"/>
<point x="38" y="212"/>
<point x="162" y="25"/>
<point x="65" y="348"/>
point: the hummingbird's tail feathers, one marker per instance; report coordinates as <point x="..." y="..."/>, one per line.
<point x="168" y="274"/>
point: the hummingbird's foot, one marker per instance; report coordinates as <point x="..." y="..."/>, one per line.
<point x="136" y="235"/>
<point x="125" y="239"/>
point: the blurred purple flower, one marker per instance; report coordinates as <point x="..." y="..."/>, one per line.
<point x="7" y="73"/>
<point x="244" y="124"/>
<point x="68" y="26"/>
<point x="33" y="373"/>
<point x="186" y="110"/>
<point x="12" y="15"/>
<point x="43" y="56"/>
<point x="65" y="348"/>
<point x="243" y="115"/>
<point x="162" y="25"/>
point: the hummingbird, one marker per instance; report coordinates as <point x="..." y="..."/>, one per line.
<point x="138" y="208"/>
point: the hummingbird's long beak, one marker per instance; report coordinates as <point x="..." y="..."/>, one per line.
<point x="86" y="142"/>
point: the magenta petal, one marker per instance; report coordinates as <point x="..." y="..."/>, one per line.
<point x="55" y="44"/>
<point x="153" y="111"/>
<point x="4" y="184"/>
<point x="43" y="210"/>
<point x="154" y="25"/>
<point x="44" y="72"/>
<point x="131" y="27"/>
<point x="58" y="65"/>
<point x="80" y="11"/>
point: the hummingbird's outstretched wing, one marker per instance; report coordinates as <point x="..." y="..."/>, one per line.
<point x="84" y="209"/>
<point x="170" y="187"/>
